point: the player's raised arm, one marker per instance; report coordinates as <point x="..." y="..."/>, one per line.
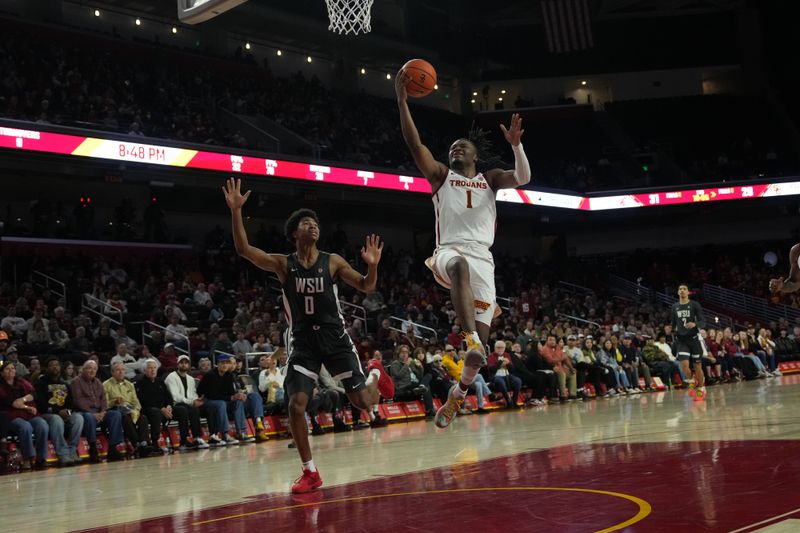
<point x="521" y="175"/>
<point x="371" y="254"/>
<point x="235" y="200"/>
<point x="434" y="171"/>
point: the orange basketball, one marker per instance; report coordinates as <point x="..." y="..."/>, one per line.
<point x="423" y="77"/>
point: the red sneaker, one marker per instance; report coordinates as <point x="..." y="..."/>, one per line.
<point x="385" y="383"/>
<point x="307" y="482"/>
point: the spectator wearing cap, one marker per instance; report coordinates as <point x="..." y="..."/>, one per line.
<point x="121" y="395"/>
<point x="54" y="404"/>
<point x="186" y="403"/>
<point x="218" y="390"/>
<point x="12" y="357"/>
<point x="502" y="373"/>
<point x="89" y="398"/>
<point x="169" y="358"/>
<point x="17" y="402"/>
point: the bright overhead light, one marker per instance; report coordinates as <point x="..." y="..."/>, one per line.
<point x="475" y="93"/>
<point x="500" y="99"/>
<point x="96" y="12"/>
<point x="583" y="82"/>
<point x="308" y="59"/>
<point x="247" y="46"/>
<point x="388" y="76"/>
<point x="174" y="29"/>
<point x="436" y="86"/>
<point x="279" y="53"/>
<point x="363" y="71"/>
<point x="503" y="91"/>
<point x="472" y="101"/>
<point x="138" y="22"/>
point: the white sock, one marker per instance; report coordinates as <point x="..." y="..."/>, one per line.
<point x="373" y="377"/>
<point x="309" y="466"/>
<point x="459" y="392"/>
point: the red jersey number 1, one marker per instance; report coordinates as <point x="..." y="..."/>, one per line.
<point x="469" y="199"/>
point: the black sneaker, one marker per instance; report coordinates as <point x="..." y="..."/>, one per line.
<point x="379" y="422"/>
<point x="481" y="411"/>
<point x="94" y="456"/>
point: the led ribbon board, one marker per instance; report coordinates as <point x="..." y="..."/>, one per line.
<point x="153" y="154"/>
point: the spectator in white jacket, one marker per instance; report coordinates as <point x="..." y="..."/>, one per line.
<point x="270" y="382"/>
<point x="186" y="409"/>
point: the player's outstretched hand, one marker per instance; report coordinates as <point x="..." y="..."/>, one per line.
<point x="514" y="133"/>
<point x="775" y="285"/>
<point x="400" y="82"/>
<point x="371" y="251"/>
<point x="233" y="195"/>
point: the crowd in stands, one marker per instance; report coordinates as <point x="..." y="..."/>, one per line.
<point x="67" y="372"/>
<point x="151" y="90"/>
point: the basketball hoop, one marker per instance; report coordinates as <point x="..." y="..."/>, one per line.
<point x="349" y="16"/>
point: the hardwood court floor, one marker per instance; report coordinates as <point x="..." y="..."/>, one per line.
<point x="652" y="462"/>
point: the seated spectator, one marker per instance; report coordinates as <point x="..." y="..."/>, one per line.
<point x="104" y="344"/>
<point x="329" y="396"/>
<point x="168" y="358"/>
<point x="156" y="401"/>
<point x="407" y="375"/>
<point x="254" y="403"/>
<point x="222" y="344"/>
<point x="501" y="370"/>
<point x="38" y="338"/>
<point x="670" y="357"/>
<point x="121" y="396"/>
<point x="68" y="372"/>
<point x="270" y="383"/>
<point x="35" y="368"/>
<point x="242" y="346"/>
<point x="785" y="348"/>
<point x="16" y="324"/>
<point x="218" y="390"/>
<point x="201" y="295"/>
<point x="79" y="343"/>
<point x="440" y="380"/>
<point x="54" y="404"/>
<point x="17" y="403"/>
<point x="130" y="363"/>
<point x="616" y="360"/>
<point x="768" y="347"/>
<point x="155" y="343"/>
<point x="633" y="364"/>
<point x="203" y="368"/>
<point x="453" y="362"/>
<point x="176" y="332"/>
<point x="746" y="348"/>
<point x="534" y="380"/>
<point x="186" y="404"/>
<point x="12" y="358"/>
<point x="121" y="337"/>
<point x="554" y="355"/>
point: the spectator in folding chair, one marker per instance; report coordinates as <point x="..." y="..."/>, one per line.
<point x="440" y="381"/>
<point x="746" y="349"/>
<point x="270" y="383"/>
<point x="502" y="374"/>
<point x="221" y="398"/>
<point x="89" y="398"/>
<point x="121" y="396"/>
<point x="54" y="403"/>
<point x="254" y="403"/>
<point x="532" y="380"/>
<point x="536" y="364"/>
<point x="453" y="362"/>
<point x="768" y="348"/>
<point x="666" y="347"/>
<point x="562" y="366"/>
<point x="784" y="346"/>
<point x="586" y="368"/>
<point x="186" y="404"/>
<point x="407" y="374"/>
<point x="156" y="402"/>
<point x="17" y="403"/>
<point x="633" y="364"/>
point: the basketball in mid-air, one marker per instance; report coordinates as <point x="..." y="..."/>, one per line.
<point x="423" y="77"/>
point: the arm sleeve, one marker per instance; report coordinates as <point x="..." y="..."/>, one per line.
<point x="522" y="169"/>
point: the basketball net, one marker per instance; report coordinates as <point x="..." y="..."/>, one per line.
<point x="349" y="16"/>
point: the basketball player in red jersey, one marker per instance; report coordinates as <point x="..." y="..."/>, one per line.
<point x="464" y="200"/>
<point x="792" y="281"/>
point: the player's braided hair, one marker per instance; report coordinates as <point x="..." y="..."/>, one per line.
<point x="487" y="158"/>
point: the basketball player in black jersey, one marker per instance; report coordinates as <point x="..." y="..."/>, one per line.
<point x="686" y="317"/>
<point x="317" y="335"/>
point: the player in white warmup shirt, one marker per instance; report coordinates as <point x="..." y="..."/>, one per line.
<point x="466" y="214"/>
